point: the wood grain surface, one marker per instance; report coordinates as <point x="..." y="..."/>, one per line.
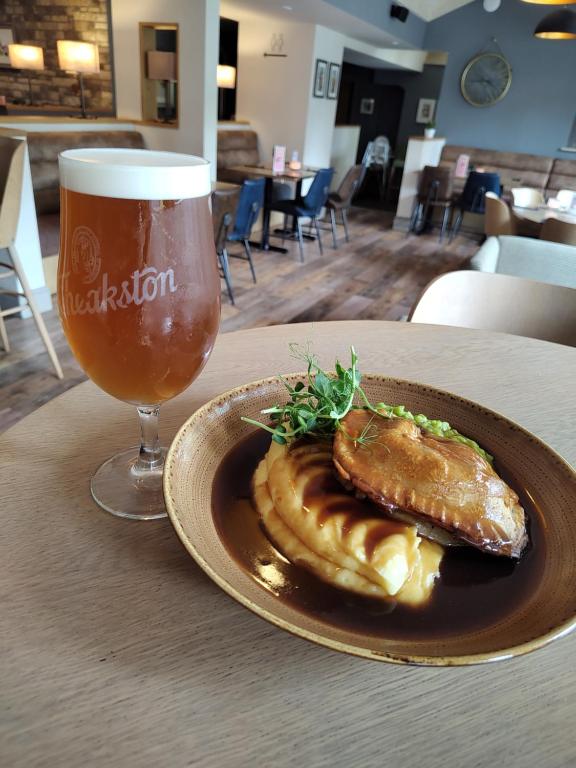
<point x="118" y="651"/>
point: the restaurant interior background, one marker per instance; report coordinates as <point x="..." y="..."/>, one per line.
<point x="322" y="78"/>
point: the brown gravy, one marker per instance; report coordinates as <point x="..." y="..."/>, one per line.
<point x="474" y="591"/>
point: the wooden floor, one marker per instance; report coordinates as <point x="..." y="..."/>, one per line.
<point x="377" y="276"/>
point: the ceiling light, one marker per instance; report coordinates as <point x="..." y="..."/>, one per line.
<point x="550" y="2"/>
<point x="289" y="7"/>
<point x="560" y="25"/>
<point x="491" y="5"/>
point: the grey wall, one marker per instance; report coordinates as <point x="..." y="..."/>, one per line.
<point x="537" y="113"/>
<point x="377" y="13"/>
<point x="416" y="85"/>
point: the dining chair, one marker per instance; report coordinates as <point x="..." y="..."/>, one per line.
<point x="250" y="202"/>
<point x="341" y="200"/>
<point x="558" y="231"/>
<point x="434" y="191"/>
<point x="472" y="198"/>
<point x="527" y="197"/>
<point x="566" y="198"/>
<point x="222" y="253"/>
<point x="498" y="219"/>
<point x="307" y="207"/>
<point x="224" y="203"/>
<point x="12" y="167"/>
<point x="495" y="302"/>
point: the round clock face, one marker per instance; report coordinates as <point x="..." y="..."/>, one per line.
<point x="486" y="79"/>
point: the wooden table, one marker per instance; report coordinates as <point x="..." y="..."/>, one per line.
<point x="270" y="176"/>
<point x="118" y="651"/>
<point x="539" y="215"/>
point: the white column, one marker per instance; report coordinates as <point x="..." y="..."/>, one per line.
<point x="420" y="152"/>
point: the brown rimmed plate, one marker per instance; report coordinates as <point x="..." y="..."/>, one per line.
<point x="546" y="612"/>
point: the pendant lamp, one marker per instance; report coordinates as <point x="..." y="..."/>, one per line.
<point x="560" y="25"/>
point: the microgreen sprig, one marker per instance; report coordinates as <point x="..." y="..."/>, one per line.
<point x="316" y="406"/>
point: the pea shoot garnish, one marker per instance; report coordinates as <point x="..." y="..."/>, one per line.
<point x="316" y="406"/>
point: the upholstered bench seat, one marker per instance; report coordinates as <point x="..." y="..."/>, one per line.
<point x="44" y="148"/>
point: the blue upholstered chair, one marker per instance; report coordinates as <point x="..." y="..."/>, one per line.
<point x="249" y="205"/>
<point x="472" y="198"/>
<point x="307" y="207"/>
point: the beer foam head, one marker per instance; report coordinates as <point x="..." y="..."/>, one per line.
<point x="134" y="174"/>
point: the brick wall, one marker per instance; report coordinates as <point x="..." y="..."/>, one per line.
<point x="42" y="22"/>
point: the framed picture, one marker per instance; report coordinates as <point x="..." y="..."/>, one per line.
<point x="333" y="81"/>
<point x="6" y="37"/>
<point x="320" y="78"/>
<point x="426" y="109"/>
<point x="366" y="106"/>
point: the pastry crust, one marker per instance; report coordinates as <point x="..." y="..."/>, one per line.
<point x="432" y="479"/>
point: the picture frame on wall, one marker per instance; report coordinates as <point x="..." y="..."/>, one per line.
<point x="367" y="106"/>
<point x="333" y="81"/>
<point x="320" y="78"/>
<point x="426" y="110"/>
<point x="6" y="38"/>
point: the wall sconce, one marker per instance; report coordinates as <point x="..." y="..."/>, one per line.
<point x="26" y="57"/>
<point x="161" y="65"/>
<point x="560" y="25"/>
<point x="225" y="78"/>
<point x="81" y="58"/>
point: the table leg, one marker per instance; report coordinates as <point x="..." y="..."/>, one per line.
<point x="264" y="243"/>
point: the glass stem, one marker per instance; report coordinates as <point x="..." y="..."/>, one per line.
<point x="151" y="456"/>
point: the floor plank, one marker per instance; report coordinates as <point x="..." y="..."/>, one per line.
<point x="378" y="275"/>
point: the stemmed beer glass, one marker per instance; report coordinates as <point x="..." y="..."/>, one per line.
<point x="139" y="295"/>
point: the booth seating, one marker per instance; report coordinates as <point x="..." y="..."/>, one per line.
<point x="516" y="169"/>
<point x="236" y="148"/>
<point x="43" y="150"/>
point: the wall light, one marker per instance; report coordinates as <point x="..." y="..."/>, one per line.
<point x="81" y="58"/>
<point x="27" y="57"/>
<point x="560" y="25"/>
<point x="161" y="65"/>
<point x="225" y="79"/>
<point x="226" y="76"/>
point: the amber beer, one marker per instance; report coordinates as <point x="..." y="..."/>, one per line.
<point x="138" y="284"/>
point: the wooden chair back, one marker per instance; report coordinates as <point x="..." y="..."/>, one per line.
<point x="558" y="231"/>
<point x="495" y="302"/>
<point x="497" y="217"/>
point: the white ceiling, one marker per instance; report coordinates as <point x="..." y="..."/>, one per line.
<point x="432" y="9"/>
<point x="312" y="12"/>
<point x="319" y="12"/>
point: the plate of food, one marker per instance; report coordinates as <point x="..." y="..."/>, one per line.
<point x="378" y="517"/>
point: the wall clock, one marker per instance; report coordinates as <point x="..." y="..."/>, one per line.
<point x="486" y="79"/>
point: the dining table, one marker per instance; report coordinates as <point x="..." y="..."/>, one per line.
<point x="540" y="214"/>
<point x="118" y="650"/>
<point x="270" y="176"/>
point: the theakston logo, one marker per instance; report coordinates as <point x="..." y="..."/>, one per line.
<point x="144" y="285"/>
<point x="85" y="253"/>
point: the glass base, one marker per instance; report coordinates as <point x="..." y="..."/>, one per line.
<point x="123" y="489"/>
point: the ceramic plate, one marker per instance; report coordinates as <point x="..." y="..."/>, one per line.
<point x="543" y="609"/>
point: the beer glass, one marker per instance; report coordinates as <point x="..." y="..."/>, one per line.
<point x="139" y="295"/>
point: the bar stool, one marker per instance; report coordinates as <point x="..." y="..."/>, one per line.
<point x="13" y="162"/>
